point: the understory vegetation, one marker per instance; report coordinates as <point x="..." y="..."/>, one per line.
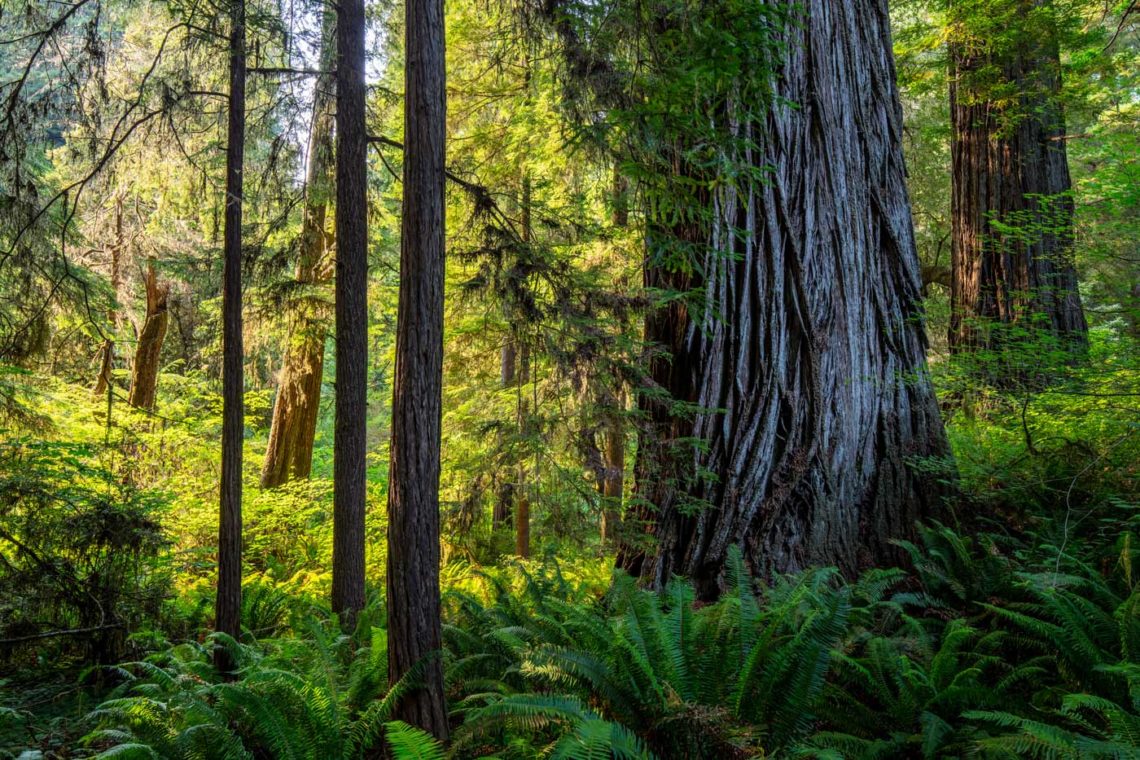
<point x="1014" y="630"/>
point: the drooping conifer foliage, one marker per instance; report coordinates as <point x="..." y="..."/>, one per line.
<point x="726" y="379"/>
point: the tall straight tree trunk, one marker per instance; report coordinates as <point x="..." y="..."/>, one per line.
<point x="805" y="358"/>
<point x="227" y="610"/>
<point x="521" y="489"/>
<point x="613" y="480"/>
<point x="107" y="352"/>
<point x="505" y="492"/>
<point x="144" y="376"/>
<point x="613" y="476"/>
<point x="414" y="628"/>
<point x="350" y="437"/>
<point x="1012" y="208"/>
<point x="289" y="453"/>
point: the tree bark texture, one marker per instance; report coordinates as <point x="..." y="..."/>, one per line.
<point x="805" y="358"/>
<point x="289" y="452"/>
<point x="414" y="628"/>
<point x="350" y="435"/>
<point x="227" y="614"/>
<point x="148" y="351"/>
<point x="1011" y="205"/>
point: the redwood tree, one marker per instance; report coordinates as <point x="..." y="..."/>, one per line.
<point x="289" y="451"/>
<point x="792" y="346"/>
<point x="414" y="629"/>
<point x="227" y="615"/>
<point x="350" y="436"/>
<point x="1012" y="207"/>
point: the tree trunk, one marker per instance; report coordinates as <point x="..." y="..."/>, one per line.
<point x="613" y="482"/>
<point x="505" y="493"/>
<point x="522" y="523"/>
<point x="144" y="376"/>
<point x="613" y="477"/>
<point x="289" y="452"/>
<point x="107" y="352"/>
<point x="521" y="494"/>
<point x="1012" y="208"/>
<point x="351" y="452"/>
<point x="227" y="615"/>
<point x="414" y="628"/>
<point x="805" y="358"/>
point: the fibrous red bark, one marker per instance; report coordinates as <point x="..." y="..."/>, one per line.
<point x="803" y="359"/>
<point x="1012" y="206"/>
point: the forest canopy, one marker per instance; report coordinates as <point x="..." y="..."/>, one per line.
<point x="608" y="379"/>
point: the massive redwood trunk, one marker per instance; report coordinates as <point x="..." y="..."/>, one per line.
<point x="804" y="355"/>
<point x="227" y="608"/>
<point x="414" y="627"/>
<point x="289" y="452"/>
<point x="144" y="376"/>
<point x="1012" y="207"/>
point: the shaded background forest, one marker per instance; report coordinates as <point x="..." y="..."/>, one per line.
<point x="637" y="366"/>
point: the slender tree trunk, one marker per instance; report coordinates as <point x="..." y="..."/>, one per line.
<point x="1132" y="309"/>
<point x="350" y="456"/>
<point x="414" y="628"/>
<point x="144" y="376"/>
<point x="522" y="521"/>
<point x="227" y="615"/>
<point x="1012" y="208"/>
<point x="806" y="357"/>
<point x="505" y="493"/>
<point x="289" y="452"/>
<point x="613" y="482"/>
<point x="107" y="352"/>
<point x="521" y="491"/>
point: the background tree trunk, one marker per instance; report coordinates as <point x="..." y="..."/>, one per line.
<point x="414" y="629"/>
<point x="505" y="491"/>
<point x="289" y="452"/>
<point x="521" y="493"/>
<point x="806" y="362"/>
<point x="107" y="352"/>
<point x="148" y="352"/>
<point x="1012" y="210"/>
<point x="613" y="482"/>
<point x="350" y="456"/>
<point x="227" y="610"/>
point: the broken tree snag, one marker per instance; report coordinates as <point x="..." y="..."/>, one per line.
<point x="144" y="378"/>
